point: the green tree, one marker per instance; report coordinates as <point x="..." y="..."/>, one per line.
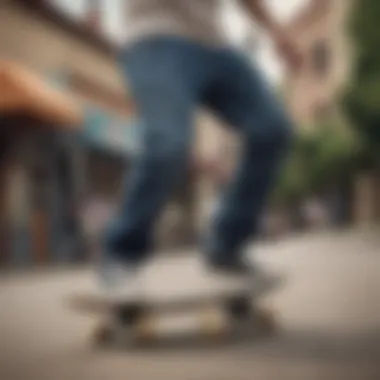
<point x="320" y="159"/>
<point x="293" y="183"/>
<point x="361" y="100"/>
<point x="331" y="156"/>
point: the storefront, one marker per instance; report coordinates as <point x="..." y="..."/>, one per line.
<point x="39" y="159"/>
<point x="52" y="174"/>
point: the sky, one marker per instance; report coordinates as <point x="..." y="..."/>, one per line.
<point x="238" y="26"/>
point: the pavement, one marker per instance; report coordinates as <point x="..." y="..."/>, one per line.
<point x="329" y="313"/>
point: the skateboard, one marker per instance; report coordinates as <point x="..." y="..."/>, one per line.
<point x="221" y="304"/>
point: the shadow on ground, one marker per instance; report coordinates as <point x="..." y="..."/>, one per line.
<point x="284" y="345"/>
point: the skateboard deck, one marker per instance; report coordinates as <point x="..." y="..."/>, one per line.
<point x="173" y="285"/>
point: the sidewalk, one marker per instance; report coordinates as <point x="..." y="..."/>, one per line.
<point x="330" y="316"/>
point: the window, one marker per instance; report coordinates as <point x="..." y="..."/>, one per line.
<point x="104" y="18"/>
<point x="74" y="9"/>
<point x="93" y="17"/>
<point x="88" y="12"/>
<point x="321" y="58"/>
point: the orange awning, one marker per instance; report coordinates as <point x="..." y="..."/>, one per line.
<point x="23" y="91"/>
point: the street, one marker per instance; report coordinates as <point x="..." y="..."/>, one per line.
<point x="329" y="314"/>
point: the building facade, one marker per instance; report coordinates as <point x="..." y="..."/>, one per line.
<point x="73" y="54"/>
<point x="50" y="175"/>
<point x="320" y="30"/>
<point x="313" y="94"/>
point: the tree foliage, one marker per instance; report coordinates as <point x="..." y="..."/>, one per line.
<point x="361" y="99"/>
<point x="319" y="158"/>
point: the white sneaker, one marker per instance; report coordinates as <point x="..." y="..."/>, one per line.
<point x="119" y="281"/>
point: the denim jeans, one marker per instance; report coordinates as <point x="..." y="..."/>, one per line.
<point x="169" y="78"/>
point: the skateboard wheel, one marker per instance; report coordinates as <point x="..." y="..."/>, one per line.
<point x="240" y="308"/>
<point x="266" y="321"/>
<point x="113" y="335"/>
<point x="144" y="329"/>
<point x="213" y="324"/>
<point x="103" y="335"/>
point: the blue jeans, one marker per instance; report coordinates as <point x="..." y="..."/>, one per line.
<point x="169" y="78"/>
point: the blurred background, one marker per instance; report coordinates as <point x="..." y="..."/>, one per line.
<point x="69" y="131"/>
<point x="59" y="187"/>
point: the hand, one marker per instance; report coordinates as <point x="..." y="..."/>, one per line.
<point x="290" y="52"/>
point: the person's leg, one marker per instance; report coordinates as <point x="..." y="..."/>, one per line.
<point x="241" y="96"/>
<point x="164" y="80"/>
